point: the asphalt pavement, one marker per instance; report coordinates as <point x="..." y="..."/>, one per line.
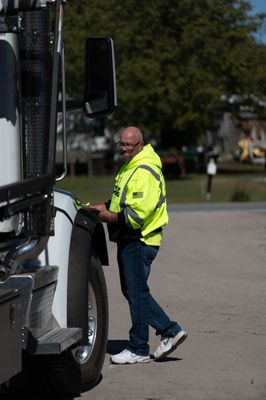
<point x="210" y="276"/>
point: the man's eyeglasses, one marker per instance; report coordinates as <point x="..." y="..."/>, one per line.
<point x="127" y="146"/>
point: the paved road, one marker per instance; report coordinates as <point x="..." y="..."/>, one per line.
<point x="210" y="275"/>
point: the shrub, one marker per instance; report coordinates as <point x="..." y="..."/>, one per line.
<point x="240" y="194"/>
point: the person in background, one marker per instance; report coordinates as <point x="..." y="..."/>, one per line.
<point x="136" y="216"/>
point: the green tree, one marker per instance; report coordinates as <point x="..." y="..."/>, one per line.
<point x="174" y="59"/>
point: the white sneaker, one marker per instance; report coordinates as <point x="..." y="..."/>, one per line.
<point x="169" y="344"/>
<point x="127" y="357"/>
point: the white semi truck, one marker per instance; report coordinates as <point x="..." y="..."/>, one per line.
<point x="53" y="297"/>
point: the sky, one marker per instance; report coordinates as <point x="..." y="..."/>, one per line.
<point x="260" y="6"/>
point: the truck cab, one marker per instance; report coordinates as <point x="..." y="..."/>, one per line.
<point x="53" y="297"/>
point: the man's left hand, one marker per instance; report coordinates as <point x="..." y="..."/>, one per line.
<point x="108" y="216"/>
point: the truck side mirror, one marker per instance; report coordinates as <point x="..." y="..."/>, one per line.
<point x="100" y="82"/>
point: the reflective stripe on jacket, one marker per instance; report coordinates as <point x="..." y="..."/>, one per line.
<point x="139" y="196"/>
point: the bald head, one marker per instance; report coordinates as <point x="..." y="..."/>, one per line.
<point x="133" y="133"/>
<point x="131" y="142"/>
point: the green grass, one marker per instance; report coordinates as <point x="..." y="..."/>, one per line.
<point x="224" y="189"/>
<point x="227" y="186"/>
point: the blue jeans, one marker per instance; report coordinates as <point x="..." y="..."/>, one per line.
<point x="134" y="261"/>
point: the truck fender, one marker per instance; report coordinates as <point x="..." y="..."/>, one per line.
<point x="87" y="236"/>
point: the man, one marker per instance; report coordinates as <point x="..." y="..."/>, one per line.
<point x="136" y="216"/>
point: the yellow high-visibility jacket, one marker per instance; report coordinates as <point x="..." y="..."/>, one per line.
<point x="139" y="197"/>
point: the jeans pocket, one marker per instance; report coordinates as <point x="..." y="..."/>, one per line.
<point x="149" y="254"/>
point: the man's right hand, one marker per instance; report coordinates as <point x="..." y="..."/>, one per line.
<point x="98" y="207"/>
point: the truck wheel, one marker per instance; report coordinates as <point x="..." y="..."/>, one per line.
<point x="91" y="358"/>
<point x="79" y="369"/>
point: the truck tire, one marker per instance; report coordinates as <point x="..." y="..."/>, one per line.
<point x="79" y="369"/>
<point x="98" y="313"/>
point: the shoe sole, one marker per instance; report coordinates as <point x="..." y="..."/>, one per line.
<point x="166" y="353"/>
<point x="146" y="360"/>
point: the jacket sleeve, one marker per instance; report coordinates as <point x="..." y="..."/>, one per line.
<point x="142" y="195"/>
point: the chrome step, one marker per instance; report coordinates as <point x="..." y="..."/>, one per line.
<point x="58" y="340"/>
